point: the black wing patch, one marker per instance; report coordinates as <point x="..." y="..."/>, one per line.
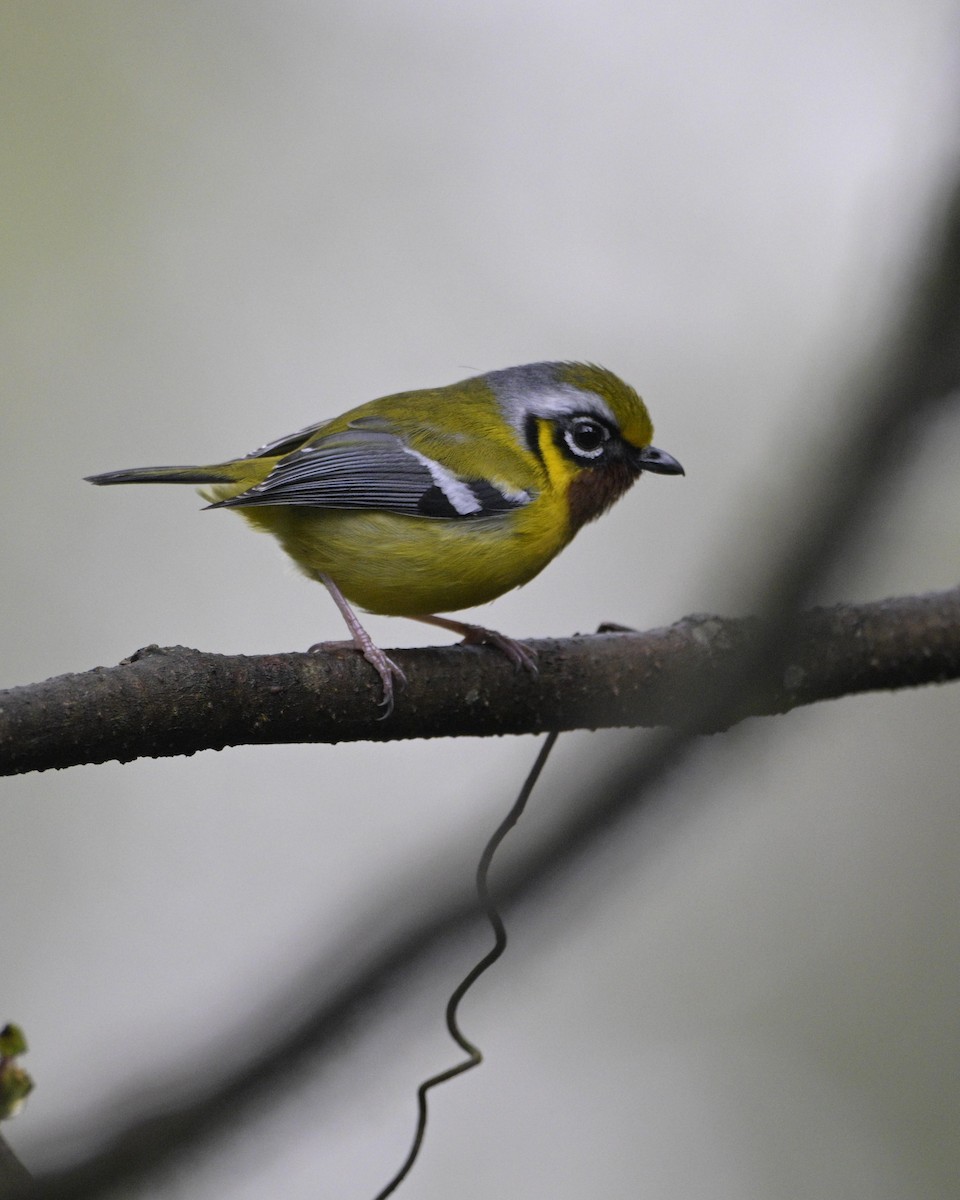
<point x="370" y="469"/>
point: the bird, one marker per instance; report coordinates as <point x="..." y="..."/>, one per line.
<point x="430" y="501"/>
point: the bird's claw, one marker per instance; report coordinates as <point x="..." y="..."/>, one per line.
<point x="519" y="654"/>
<point x="385" y="667"/>
<point x="388" y="671"/>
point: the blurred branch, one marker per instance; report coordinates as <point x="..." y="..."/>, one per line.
<point x="178" y="701"/>
<point x="14" y="1176"/>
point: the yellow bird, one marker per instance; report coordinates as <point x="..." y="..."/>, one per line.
<point x="441" y="499"/>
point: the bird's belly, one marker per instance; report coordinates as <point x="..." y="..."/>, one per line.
<point x="405" y="566"/>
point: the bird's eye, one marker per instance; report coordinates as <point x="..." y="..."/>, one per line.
<point x="586" y="437"/>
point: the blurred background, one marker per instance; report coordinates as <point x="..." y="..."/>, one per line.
<point x="224" y="221"/>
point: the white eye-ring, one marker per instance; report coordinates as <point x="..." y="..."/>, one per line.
<point x="586" y="437"/>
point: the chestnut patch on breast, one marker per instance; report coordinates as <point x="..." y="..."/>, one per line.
<point x="596" y="488"/>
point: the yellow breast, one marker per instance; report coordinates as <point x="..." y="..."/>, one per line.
<point x="407" y="566"/>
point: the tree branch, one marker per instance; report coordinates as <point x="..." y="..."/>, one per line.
<point x="174" y="701"/>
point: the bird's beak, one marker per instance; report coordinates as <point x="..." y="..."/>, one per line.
<point x="657" y="461"/>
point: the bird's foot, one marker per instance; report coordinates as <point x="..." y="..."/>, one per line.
<point x="385" y="667"/>
<point x="477" y="635"/>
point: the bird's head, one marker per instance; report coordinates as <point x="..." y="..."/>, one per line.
<point x="590" y="430"/>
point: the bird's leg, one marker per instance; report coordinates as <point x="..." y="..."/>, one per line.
<point x="476" y="635"/>
<point x="385" y="667"/>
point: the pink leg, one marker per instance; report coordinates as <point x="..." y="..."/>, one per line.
<point x="385" y="667"/>
<point x="476" y="635"/>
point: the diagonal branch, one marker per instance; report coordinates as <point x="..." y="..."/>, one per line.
<point x="164" y="702"/>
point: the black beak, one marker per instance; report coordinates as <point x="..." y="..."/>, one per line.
<point x="657" y="461"/>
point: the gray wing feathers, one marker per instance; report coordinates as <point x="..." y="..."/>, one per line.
<point x="369" y="468"/>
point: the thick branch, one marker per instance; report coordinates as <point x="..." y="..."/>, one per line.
<point x="177" y="701"/>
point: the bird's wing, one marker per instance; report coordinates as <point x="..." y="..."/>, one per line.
<point x="367" y="467"/>
<point x="285" y="445"/>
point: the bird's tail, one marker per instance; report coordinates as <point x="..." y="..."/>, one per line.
<point x="221" y="473"/>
